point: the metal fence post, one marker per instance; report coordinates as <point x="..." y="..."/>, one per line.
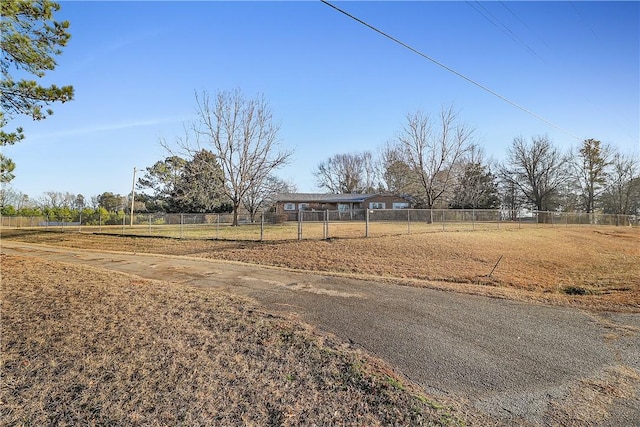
<point x="408" y="221"/>
<point x="218" y="227"/>
<point x="262" y="226"/>
<point x="181" y="225"/>
<point x="473" y="219"/>
<point x="442" y="219"/>
<point x="366" y="223"/>
<point x="519" y="222"/>
<point x="326" y="224"/>
<point x="300" y="224"/>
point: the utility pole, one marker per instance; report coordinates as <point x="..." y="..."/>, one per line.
<point x="133" y="196"/>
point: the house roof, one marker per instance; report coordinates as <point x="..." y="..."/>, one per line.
<point x="323" y="198"/>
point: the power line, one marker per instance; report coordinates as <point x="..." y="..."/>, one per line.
<point x="575" y="8"/>
<point x="523" y="23"/>
<point x="451" y="70"/>
<point x="502" y="27"/>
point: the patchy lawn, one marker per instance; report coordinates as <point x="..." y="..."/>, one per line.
<point x="591" y="267"/>
<point x="82" y="346"/>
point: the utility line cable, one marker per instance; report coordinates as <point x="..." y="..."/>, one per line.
<point x="575" y="8"/>
<point x="502" y="27"/>
<point x="524" y="23"/>
<point x="451" y="70"/>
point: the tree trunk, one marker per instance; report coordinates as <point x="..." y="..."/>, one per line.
<point x="236" y="206"/>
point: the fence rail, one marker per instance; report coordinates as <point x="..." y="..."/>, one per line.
<point x="317" y="224"/>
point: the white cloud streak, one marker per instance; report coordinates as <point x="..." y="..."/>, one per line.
<point x="108" y="127"/>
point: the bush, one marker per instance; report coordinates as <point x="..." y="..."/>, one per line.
<point x="575" y="290"/>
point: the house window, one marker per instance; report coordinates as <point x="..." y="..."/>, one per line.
<point x="303" y="206"/>
<point x="400" y="205"/>
<point x="377" y="205"/>
<point x="342" y="207"/>
<point x="289" y="206"/>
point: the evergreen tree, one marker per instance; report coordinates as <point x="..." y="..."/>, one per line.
<point x="476" y="189"/>
<point x="30" y="39"/>
<point x="162" y="179"/>
<point x="199" y="187"/>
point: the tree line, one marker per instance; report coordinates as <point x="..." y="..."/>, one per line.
<point x="433" y="160"/>
<point x="227" y="161"/>
<point x="106" y="208"/>
<point x="240" y="132"/>
<point x="197" y="185"/>
<point x="228" y="156"/>
<point x="436" y="162"/>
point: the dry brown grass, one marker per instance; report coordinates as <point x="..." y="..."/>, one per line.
<point x="587" y="267"/>
<point x="82" y="346"/>
<point x="589" y="403"/>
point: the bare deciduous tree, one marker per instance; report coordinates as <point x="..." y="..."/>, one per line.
<point x="511" y="198"/>
<point x="347" y="173"/>
<point x="264" y="196"/>
<point x="243" y="135"/>
<point x="11" y="197"/>
<point x="622" y="195"/>
<point x="57" y="199"/>
<point x="432" y="149"/>
<point x="537" y="170"/>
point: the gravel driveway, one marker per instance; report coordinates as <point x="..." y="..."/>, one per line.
<point x="522" y="363"/>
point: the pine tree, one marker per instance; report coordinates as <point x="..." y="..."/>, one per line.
<point x="30" y="39"/>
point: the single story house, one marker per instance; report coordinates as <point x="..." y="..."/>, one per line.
<point x="293" y="202"/>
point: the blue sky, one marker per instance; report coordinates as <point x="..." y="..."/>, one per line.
<point x="334" y="85"/>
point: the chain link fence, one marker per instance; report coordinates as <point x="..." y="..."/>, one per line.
<point x="317" y="225"/>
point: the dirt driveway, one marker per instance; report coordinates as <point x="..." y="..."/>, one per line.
<point x="518" y="362"/>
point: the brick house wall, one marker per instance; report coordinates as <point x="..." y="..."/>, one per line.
<point x="386" y="201"/>
<point x="347" y="202"/>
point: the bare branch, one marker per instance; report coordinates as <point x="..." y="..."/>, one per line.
<point x="431" y="150"/>
<point x="242" y="134"/>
